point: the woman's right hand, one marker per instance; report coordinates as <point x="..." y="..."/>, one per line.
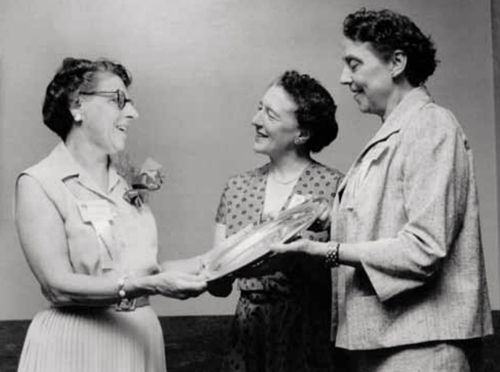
<point x="178" y="284"/>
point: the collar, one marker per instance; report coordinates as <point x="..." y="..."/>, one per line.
<point x="399" y="117"/>
<point x="68" y="168"/>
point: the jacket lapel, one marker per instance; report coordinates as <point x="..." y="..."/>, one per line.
<point x="411" y="103"/>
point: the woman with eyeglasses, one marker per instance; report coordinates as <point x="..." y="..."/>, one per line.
<point x="93" y="252"/>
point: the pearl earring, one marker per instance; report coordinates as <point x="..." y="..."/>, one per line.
<point x="77" y="117"/>
<point x="298" y="141"/>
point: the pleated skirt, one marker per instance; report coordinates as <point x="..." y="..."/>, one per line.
<point x="96" y="340"/>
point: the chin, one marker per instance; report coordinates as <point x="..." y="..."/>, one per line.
<point x="364" y="108"/>
<point x="118" y="147"/>
<point x="258" y="149"/>
<point x="261" y="152"/>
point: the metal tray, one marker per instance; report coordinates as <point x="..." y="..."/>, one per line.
<point x="253" y="246"/>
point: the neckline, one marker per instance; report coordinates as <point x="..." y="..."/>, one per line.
<point x="272" y="175"/>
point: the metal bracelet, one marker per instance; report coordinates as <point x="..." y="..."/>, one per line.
<point x="332" y="255"/>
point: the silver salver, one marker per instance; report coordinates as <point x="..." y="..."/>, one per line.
<point x="252" y="248"/>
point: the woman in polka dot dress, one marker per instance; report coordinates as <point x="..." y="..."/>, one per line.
<point x="283" y="317"/>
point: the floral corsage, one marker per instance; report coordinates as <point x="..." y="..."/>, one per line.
<point x="144" y="180"/>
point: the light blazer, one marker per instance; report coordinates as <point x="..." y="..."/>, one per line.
<point x="410" y="203"/>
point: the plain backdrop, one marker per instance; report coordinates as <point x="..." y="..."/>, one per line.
<point x="200" y="67"/>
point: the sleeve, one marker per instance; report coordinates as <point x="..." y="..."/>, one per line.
<point x="220" y="216"/>
<point x="435" y="175"/>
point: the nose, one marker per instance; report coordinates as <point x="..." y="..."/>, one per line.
<point x="257" y="118"/>
<point x="345" y="76"/>
<point x="130" y="111"/>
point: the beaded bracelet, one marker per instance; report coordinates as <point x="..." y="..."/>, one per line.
<point x="332" y="254"/>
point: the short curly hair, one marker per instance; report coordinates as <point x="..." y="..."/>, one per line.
<point x="74" y="75"/>
<point x="315" y="108"/>
<point x="388" y="31"/>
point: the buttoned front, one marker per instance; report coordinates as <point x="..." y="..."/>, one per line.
<point x="409" y="204"/>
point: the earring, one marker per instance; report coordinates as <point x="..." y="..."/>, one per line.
<point x="298" y="141"/>
<point x="77" y="117"/>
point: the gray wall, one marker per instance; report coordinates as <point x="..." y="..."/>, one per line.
<point x="200" y="67"/>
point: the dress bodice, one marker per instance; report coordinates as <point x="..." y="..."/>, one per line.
<point x="105" y="233"/>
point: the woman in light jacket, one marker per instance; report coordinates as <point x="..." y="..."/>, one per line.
<point x="405" y="226"/>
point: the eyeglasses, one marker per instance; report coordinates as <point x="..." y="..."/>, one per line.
<point x="119" y="97"/>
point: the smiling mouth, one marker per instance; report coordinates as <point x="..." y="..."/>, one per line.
<point x="355" y="90"/>
<point x="357" y="94"/>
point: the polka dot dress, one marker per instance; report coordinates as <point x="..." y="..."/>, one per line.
<point x="283" y="317"/>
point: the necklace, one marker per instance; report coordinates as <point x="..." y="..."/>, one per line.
<point x="273" y="176"/>
<point x="289" y="181"/>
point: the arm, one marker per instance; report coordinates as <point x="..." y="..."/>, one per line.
<point x="223" y="287"/>
<point x="349" y="254"/>
<point x="43" y="240"/>
<point x="218" y="243"/>
<point x="435" y="188"/>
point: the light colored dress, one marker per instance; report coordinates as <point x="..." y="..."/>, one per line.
<point x="106" y="236"/>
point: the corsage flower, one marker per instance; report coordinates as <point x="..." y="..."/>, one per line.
<point x="144" y="180"/>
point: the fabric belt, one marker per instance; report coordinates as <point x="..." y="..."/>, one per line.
<point x="124" y="305"/>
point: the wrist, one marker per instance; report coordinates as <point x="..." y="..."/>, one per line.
<point x="332" y="254"/>
<point x="140" y="286"/>
<point x="122" y="289"/>
<point x="129" y="296"/>
<point x="124" y="299"/>
<point x="315" y="248"/>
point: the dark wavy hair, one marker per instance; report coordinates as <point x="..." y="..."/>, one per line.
<point x="315" y="108"/>
<point x="74" y="75"/>
<point x="387" y="31"/>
